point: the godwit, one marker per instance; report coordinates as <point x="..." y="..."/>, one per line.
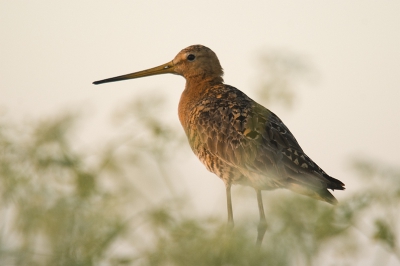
<point x="236" y="138"/>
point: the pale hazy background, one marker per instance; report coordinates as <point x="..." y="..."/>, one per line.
<point x="51" y="52"/>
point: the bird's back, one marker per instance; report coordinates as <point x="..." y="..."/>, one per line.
<point x="244" y="143"/>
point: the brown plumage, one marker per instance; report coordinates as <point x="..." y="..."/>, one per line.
<point x="236" y="138"/>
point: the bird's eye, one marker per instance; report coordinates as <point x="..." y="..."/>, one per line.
<point x="191" y="57"/>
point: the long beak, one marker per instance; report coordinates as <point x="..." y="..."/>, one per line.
<point x="163" y="69"/>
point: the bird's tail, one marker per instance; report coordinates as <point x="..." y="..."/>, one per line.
<point x="319" y="194"/>
<point x="334" y="183"/>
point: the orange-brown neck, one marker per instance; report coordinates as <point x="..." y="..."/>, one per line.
<point x="195" y="91"/>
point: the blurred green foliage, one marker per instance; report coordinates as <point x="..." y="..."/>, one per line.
<point x="281" y="75"/>
<point x="60" y="206"/>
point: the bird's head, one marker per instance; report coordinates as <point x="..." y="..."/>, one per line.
<point x="196" y="61"/>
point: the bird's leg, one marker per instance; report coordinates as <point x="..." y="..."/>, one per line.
<point x="229" y="205"/>
<point x="262" y="226"/>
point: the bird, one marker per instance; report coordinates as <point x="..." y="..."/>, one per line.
<point x="237" y="139"/>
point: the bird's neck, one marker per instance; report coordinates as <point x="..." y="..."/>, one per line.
<point x="195" y="91"/>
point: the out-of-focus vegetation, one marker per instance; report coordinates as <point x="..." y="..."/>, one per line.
<point x="61" y="204"/>
<point x="281" y="73"/>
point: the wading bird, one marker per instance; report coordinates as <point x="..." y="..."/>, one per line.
<point x="236" y="138"/>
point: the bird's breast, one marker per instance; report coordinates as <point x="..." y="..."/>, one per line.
<point x="194" y="96"/>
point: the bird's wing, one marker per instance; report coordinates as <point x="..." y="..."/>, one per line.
<point x="254" y="140"/>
